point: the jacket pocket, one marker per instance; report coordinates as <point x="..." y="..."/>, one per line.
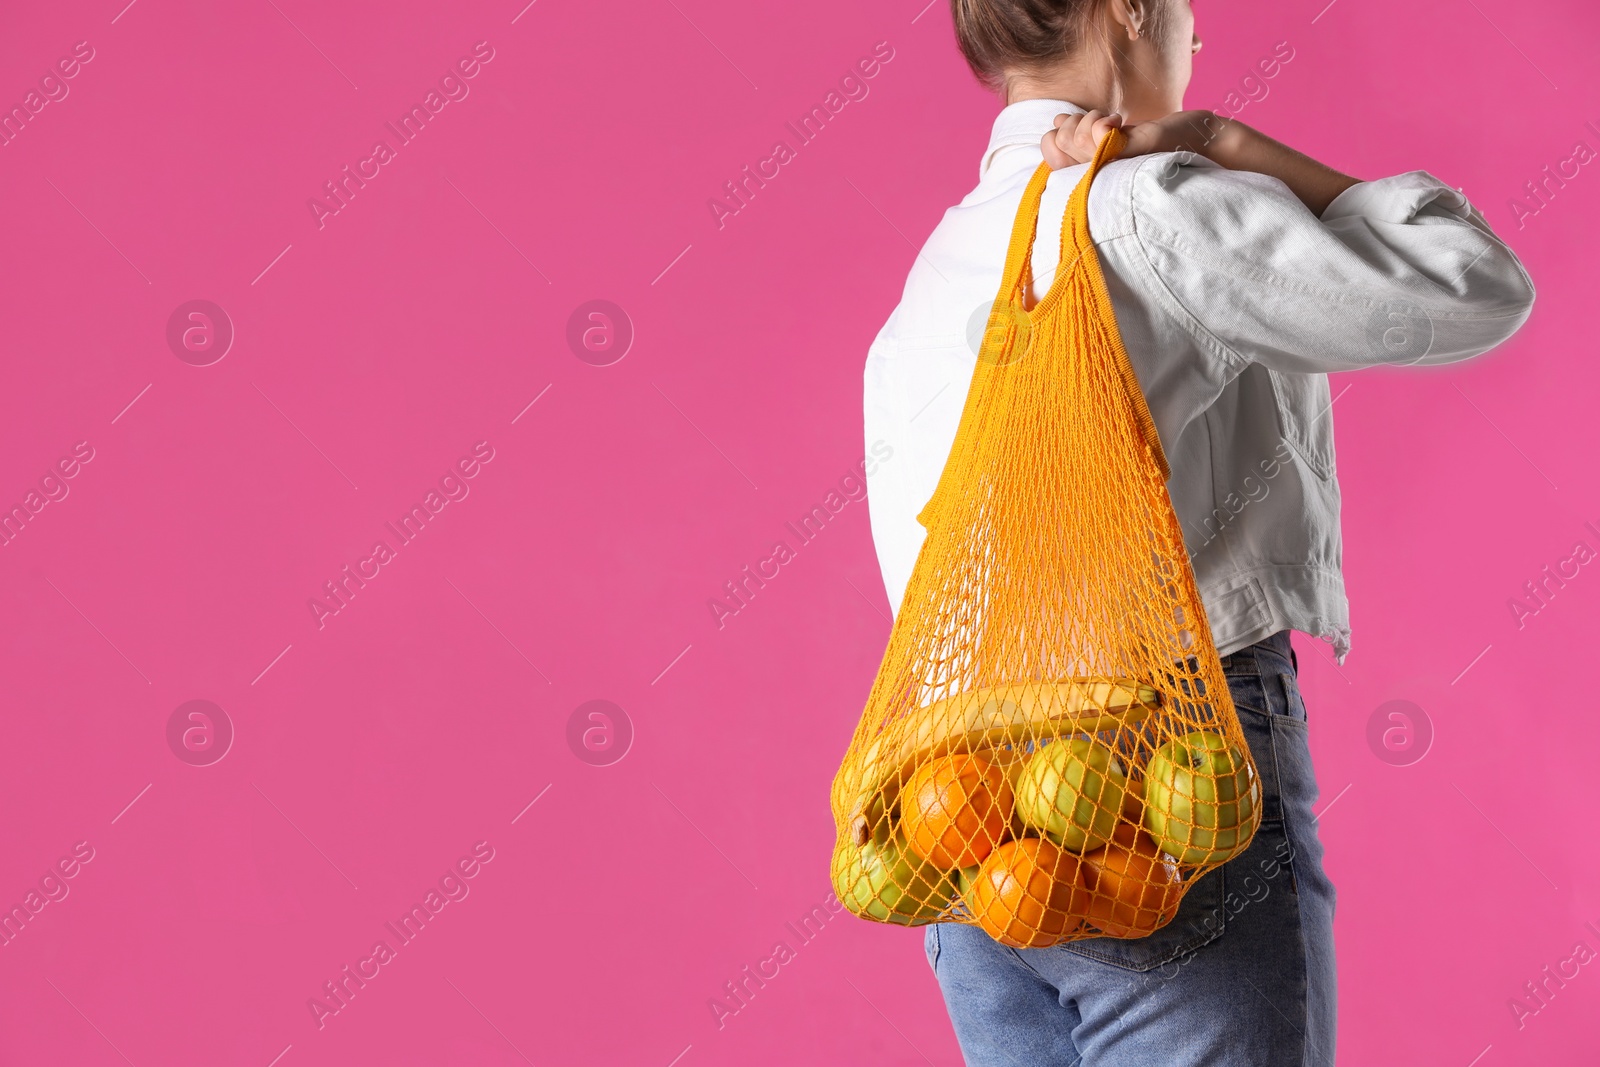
<point x="1304" y="420"/>
<point x="1200" y="920"/>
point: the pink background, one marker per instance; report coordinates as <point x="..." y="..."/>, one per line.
<point x="373" y="753"/>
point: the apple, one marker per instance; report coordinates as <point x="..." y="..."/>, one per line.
<point x="1072" y="791"/>
<point x="964" y="877"/>
<point x="887" y="882"/>
<point x="1135" y="890"/>
<point x="1201" y="798"/>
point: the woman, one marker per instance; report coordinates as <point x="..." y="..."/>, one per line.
<point x="1241" y="273"/>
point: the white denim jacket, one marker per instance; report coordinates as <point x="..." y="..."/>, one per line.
<point x="1234" y="303"/>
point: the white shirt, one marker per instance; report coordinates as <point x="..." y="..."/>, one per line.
<point x="1234" y="301"/>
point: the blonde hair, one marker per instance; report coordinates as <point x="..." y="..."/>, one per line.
<point x="997" y="36"/>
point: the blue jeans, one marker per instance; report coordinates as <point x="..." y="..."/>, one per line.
<point x="1242" y="977"/>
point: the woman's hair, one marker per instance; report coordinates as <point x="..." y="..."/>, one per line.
<point x="1028" y="35"/>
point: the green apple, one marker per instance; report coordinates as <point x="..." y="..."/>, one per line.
<point x="964" y="877"/>
<point x="1201" y="796"/>
<point x="1071" y="791"/>
<point x="887" y="882"/>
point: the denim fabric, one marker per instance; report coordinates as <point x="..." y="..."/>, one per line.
<point x="1242" y="977"/>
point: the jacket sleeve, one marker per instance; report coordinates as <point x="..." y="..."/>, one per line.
<point x="1402" y="270"/>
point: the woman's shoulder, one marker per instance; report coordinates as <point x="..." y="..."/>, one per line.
<point x="1186" y="183"/>
<point x="1158" y="186"/>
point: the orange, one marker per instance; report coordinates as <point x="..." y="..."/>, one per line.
<point x="1011" y="760"/>
<point x="1133" y="802"/>
<point x="1028" y="894"/>
<point x="955" y="810"/>
<point x="1130" y="825"/>
<point x="1135" y="890"/>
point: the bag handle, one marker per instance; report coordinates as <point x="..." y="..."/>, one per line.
<point x="1078" y="246"/>
<point x="1082" y="245"/>
<point x="1018" y="277"/>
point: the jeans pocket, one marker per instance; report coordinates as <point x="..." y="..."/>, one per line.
<point x="1294" y="703"/>
<point x="930" y="945"/>
<point x="1259" y="725"/>
<point x="1201" y="919"/>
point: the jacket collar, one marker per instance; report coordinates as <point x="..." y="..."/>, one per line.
<point x="1023" y="123"/>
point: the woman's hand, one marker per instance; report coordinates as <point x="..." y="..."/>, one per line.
<point x="1226" y="142"/>
<point x="1076" y="136"/>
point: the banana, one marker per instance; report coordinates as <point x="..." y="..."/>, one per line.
<point x="985" y="718"/>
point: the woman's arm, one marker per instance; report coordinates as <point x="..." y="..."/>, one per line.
<point x="1239" y="147"/>
<point x="1402" y="270"/>
<point x="1226" y="142"/>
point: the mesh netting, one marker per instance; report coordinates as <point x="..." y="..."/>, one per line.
<point x="1049" y="750"/>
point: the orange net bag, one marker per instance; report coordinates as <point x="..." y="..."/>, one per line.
<point x="1049" y="750"/>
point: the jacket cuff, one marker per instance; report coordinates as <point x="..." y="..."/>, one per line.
<point x="1398" y="199"/>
